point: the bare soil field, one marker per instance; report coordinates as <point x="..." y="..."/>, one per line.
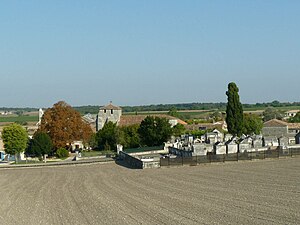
<point x="257" y="192"/>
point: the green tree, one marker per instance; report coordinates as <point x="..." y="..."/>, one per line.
<point x="62" y="153"/>
<point x="178" y="130"/>
<point x="295" y="119"/>
<point x="272" y="113"/>
<point x="93" y="141"/>
<point x="154" y="131"/>
<point x="129" y="136"/>
<point x="40" y="144"/>
<point x="252" y="124"/>
<point x="216" y="116"/>
<point x="234" y="111"/>
<point x="275" y="103"/>
<point x="107" y="137"/>
<point x="15" y="139"/>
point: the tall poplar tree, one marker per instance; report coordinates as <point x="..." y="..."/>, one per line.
<point x="234" y="111"/>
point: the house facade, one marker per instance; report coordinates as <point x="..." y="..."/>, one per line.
<point x="292" y="113"/>
<point x="275" y="128"/>
<point x="278" y="128"/>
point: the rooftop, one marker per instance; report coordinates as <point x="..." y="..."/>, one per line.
<point x="275" y="123"/>
<point x="295" y="126"/>
<point x="280" y="123"/>
<point x="110" y="106"/>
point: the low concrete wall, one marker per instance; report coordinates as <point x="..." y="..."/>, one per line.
<point x="153" y="164"/>
<point x="138" y="163"/>
<point x="132" y="161"/>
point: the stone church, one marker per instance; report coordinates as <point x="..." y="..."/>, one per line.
<point x="108" y="113"/>
<point x="112" y="113"/>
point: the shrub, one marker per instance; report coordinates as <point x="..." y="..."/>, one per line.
<point x="62" y="153"/>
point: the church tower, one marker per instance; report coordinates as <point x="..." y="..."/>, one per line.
<point x="108" y="113"/>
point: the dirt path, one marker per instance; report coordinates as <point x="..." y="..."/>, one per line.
<point x="259" y="192"/>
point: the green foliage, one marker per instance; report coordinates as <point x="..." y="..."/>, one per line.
<point x="19" y="119"/>
<point x="110" y="135"/>
<point x="198" y="133"/>
<point x="15" y="139"/>
<point x="154" y="131"/>
<point x="107" y="137"/>
<point x="216" y="116"/>
<point x="129" y="136"/>
<point x="252" y="124"/>
<point x="93" y="143"/>
<point x="178" y="130"/>
<point x="234" y="111"/>
<point x="272" y="113"/>
<point x="62" y="153"/>
<point x="106" y="146"/>
<point x="40" y="144"/>
<point x="295" y="119"/>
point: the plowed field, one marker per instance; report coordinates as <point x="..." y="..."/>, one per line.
<point x="257" y="192"/>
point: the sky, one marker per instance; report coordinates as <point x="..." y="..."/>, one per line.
<point x="140" y="52"/>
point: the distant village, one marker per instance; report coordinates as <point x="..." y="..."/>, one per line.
<point x="215" y="141"/>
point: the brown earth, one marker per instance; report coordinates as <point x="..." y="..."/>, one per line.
<point x="257" y="192"/>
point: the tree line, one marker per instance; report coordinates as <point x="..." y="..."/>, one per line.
<point x="187" y="106"/>
<point x="94" y="109"/>
<point x="153" y="131"/>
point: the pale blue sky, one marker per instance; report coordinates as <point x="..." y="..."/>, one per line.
<point x="139" y="52"/>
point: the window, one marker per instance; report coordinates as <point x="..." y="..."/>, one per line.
<point x="104" y="110"/>
<point x="112" y="111"/>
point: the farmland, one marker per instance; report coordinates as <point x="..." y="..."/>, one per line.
<point x="257" y="192"/>
<point x="25" y="118"/>
<point x="185" y="111"/>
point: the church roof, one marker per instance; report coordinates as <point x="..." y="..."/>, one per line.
<point x="110" y="106"/>
<point x="295" y="126"/>
<point x="275" y="123"/>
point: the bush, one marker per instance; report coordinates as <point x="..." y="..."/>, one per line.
<point x="62" y="153"/>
